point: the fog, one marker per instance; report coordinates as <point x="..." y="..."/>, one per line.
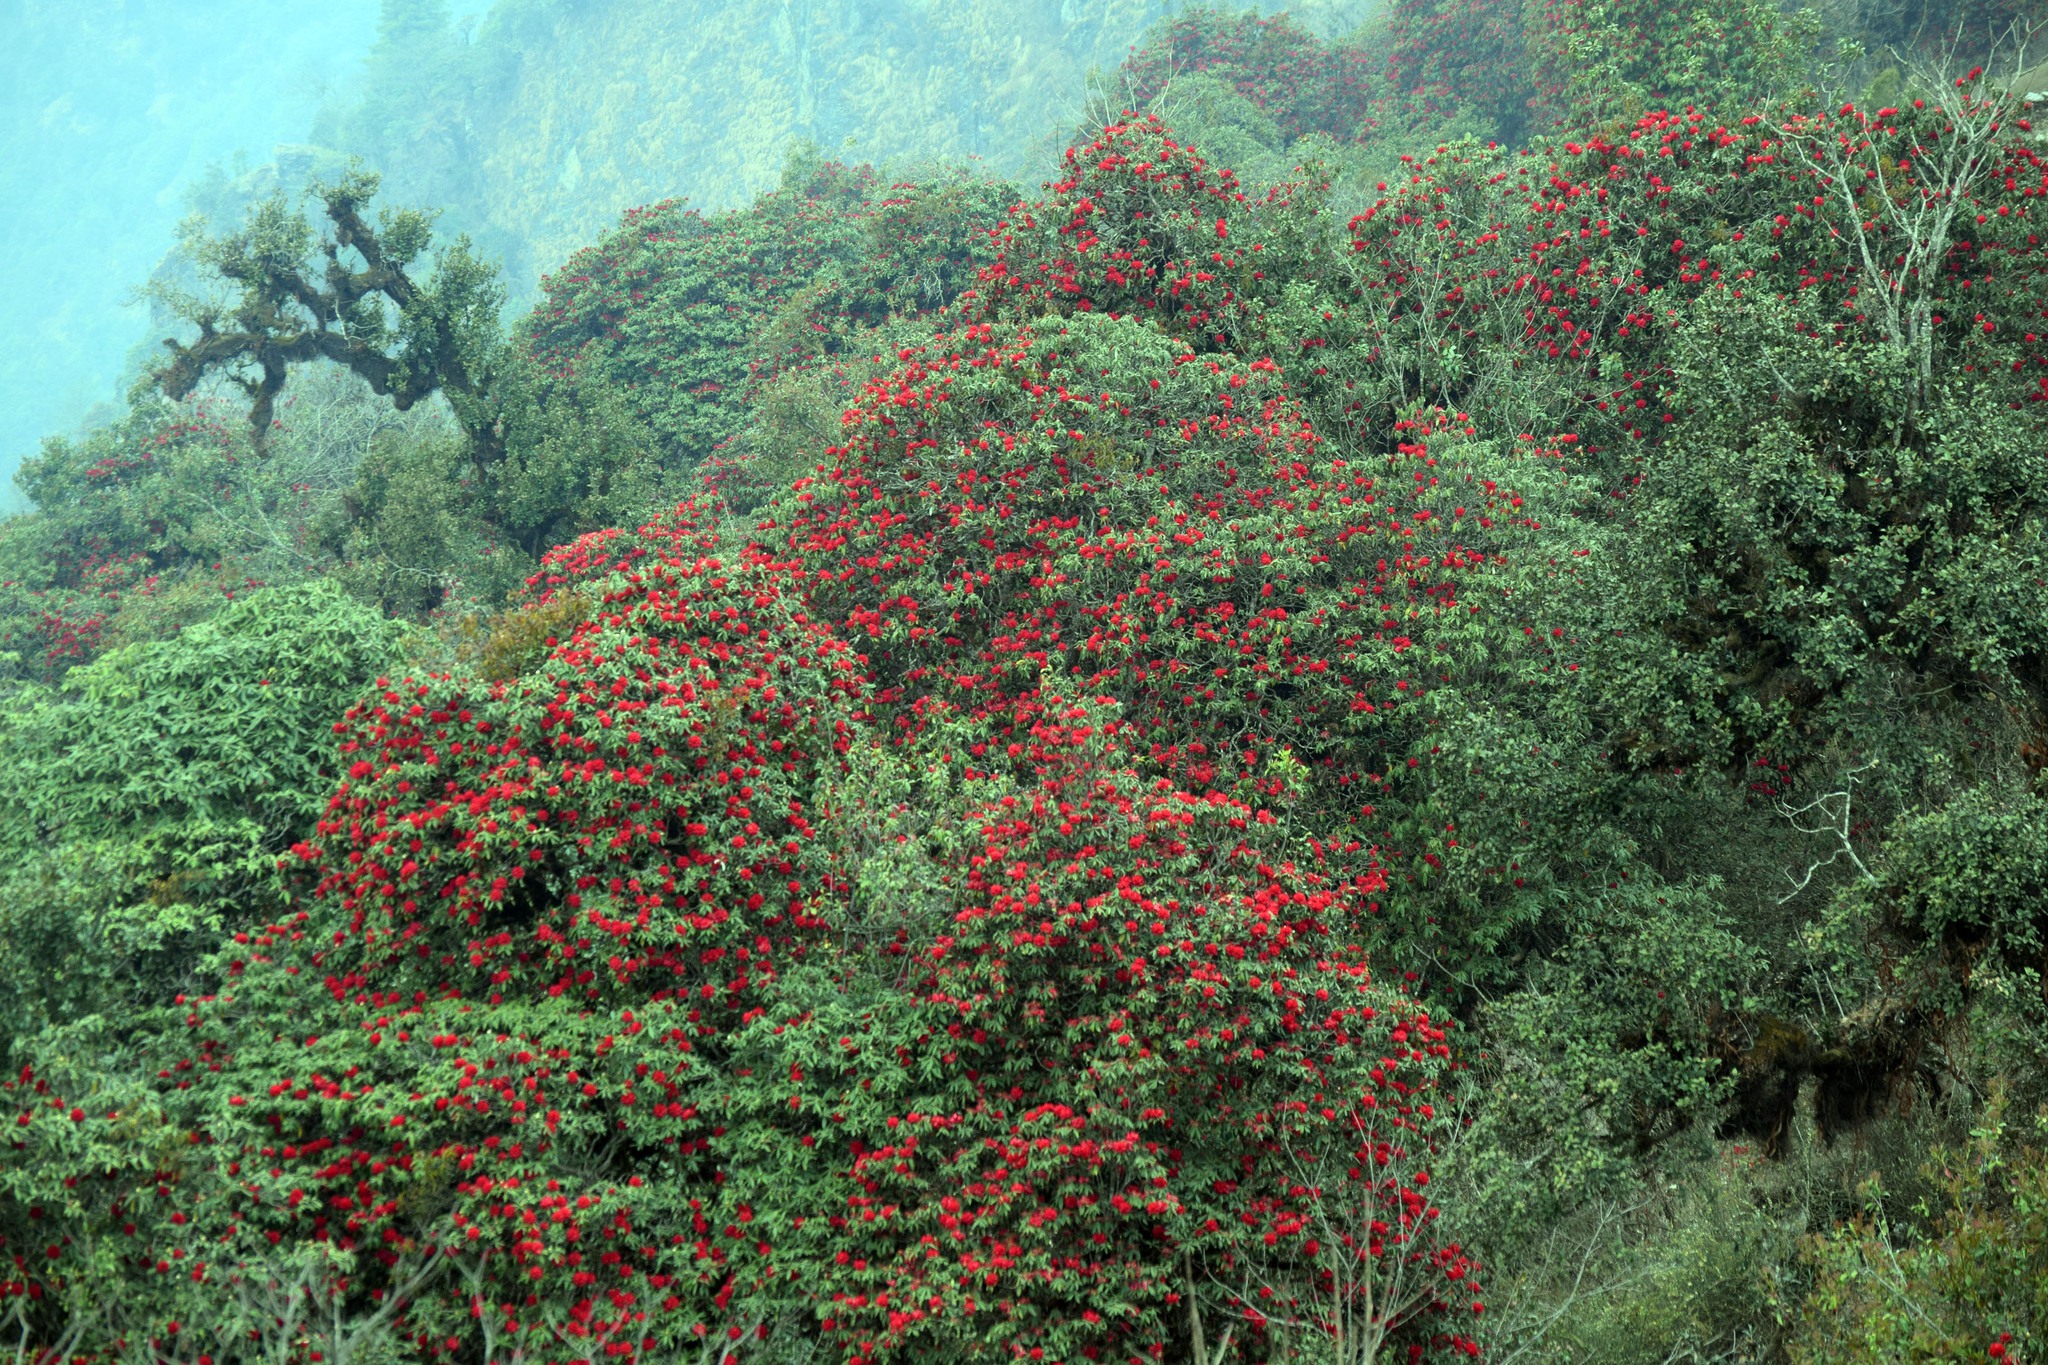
<point x="109" y="111"/>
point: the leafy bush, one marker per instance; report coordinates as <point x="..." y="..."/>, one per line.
<point x="148" y="797"/>
<point x="689" y="313"/>
<point x="1968" y="1288"/>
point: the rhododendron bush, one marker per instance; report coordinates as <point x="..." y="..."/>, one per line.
<point x="1304" y="84"/>
<point x="1416" y="70"/>
<point x="1741" y="333"/>
<point x="1276" y="620"/>
<point x="599" y="1048"/>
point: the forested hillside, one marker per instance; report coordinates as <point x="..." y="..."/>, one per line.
<point x="1382" y="696"/>
<point x="529" y="124"/>
<point x="543" y="122"/>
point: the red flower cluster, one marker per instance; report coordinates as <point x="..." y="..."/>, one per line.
<point x="1136" y="226"/>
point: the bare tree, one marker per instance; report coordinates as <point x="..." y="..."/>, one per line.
<point x="1363" y="1255"/>
<point x="1898" y="188"/>
<point x="1828" y="814"/>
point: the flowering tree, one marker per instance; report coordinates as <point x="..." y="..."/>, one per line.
<point x="608" y="1055"/>
<point x="1128" y="1025"/>
<point x="1305" y="85"/>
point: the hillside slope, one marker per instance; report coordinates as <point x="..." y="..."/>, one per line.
<point x="540" y="125"/>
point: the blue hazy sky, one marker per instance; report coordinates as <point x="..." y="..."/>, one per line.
<point x="108" y="110"/>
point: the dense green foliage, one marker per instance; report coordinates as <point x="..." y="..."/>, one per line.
<point x="149" y="795"/>
<point x="692" y="315"/>
<point x="1428" y="744"/>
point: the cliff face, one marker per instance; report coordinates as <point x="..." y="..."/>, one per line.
<point x="643" y="97"/>
<point x="573" y="110"/>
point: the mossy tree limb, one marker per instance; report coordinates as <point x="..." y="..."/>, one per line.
<point x="288" y="294"/>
